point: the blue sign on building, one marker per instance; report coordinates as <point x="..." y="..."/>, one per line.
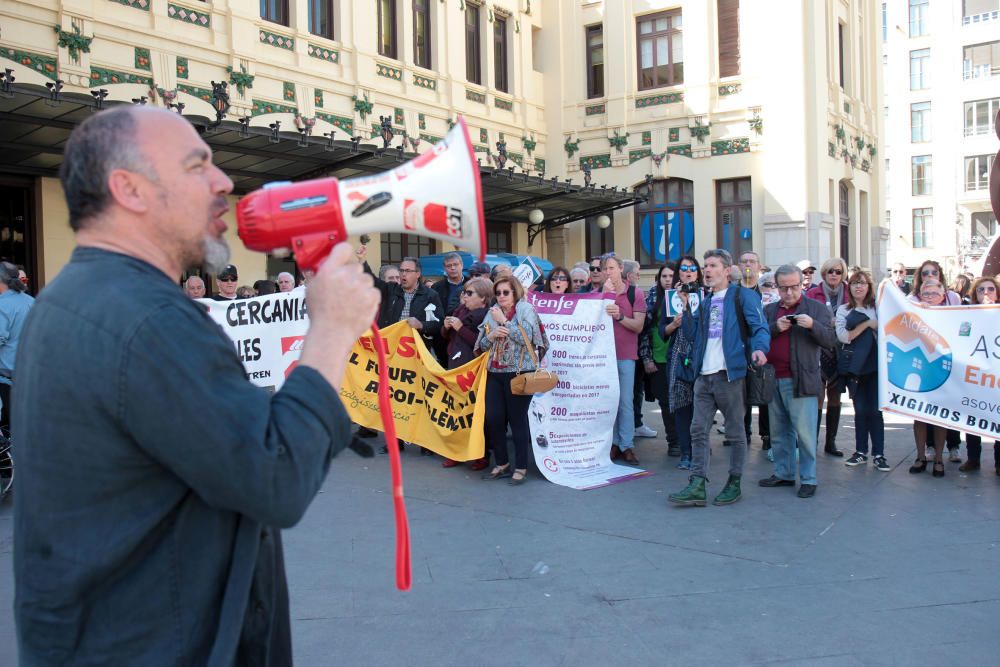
<point x="666" y="234"/>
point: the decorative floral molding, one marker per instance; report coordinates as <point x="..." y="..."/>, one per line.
<point x="142" y="59"/>
<point x="345" y="124"/>
<point x="647" y="138"/>
<point x="388" y="72"/>
<point x="595" y="109"/>
<point x="680" y="149"/>
<point x="529" y="144"/>
<point x="74" y="42"/>
<point x="398" y="116"/>
<point x="242" y="80"/>
<point x="571" y="147"/>
<point x="674" y="134"/>
<point x="636" y="155"/>
<point x="182" y="67"/>
<point x="47" y="66"/>
<point x="602" y="161"/>
<point x="288" y="91"/>
<point x="756" y="124"/>
<point x="261" y="107"/>
<point x="731" y="146"/>
<point x="540" y="165"/>
<point x="101" y="76"/>
<point x="142" y="5"/>
<point x="203" y="94"/>
<point x="430" y="137"/>
<point x="730" y="89"/>
<point x="362" y="106"/>
<point x="618" y="142"/>
<point x="317" y="98"/>
<point x="474" y="96"/>
<point x="699" y="131"/>
<point x="503" y="104"/>
<point x="425" y="82"/>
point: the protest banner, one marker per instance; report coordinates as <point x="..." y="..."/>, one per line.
<point x="527" y="272"/>
<point x="940" y="365"/>
<point x="267" y="333"/>
<point x="432" y="407"/>
<point x="571" y="425"/>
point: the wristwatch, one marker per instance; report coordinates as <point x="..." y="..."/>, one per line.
<point x="620" y="317"/>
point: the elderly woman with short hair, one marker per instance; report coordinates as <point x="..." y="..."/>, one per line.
<point x="983" y="292"/>
<point x="509" y="333"/>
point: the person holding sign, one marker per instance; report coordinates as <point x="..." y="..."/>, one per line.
<point x="932" y="293"/>
<point x="151" y="495"/>
<point x="627" y="308"/>
<point x="984" y="291"/>
<point x="507" y="333"/>
<point x="681" y="391"/>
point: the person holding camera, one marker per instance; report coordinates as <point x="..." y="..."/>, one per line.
<point x="800" y="328"/>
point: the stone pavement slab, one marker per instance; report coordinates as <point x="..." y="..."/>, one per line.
<point x="876" y="569"/>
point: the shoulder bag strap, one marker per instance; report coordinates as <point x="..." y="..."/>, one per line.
<point x="530" y="345"/>
<point x="741" y="318"/>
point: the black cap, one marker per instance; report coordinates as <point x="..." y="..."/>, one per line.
<point x="229" y="272"/>
<point x="479" y="269"/>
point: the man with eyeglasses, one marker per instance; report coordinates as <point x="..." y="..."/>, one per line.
<point x="227" y="279"/>
<point x="449" y="292"/>
<point x="800" y="328"/>
<point x="808" y="270"/>
<point x="719" y="361"/>
<point x="749" y="277"/>
<point x="579" y="279"/>
<point x="899" y="277"/>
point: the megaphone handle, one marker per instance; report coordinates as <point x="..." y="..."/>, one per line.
<point x="403" y="569"/>
<point x="311" y="249"/>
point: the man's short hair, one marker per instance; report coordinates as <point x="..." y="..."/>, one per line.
<point x="385" y="269"/>
<point x="723" y="255"/>
<point x="416" y="262"/>
<point x="750" y="252"/>
<point x="451" y="256"/>
<point x="577" y="271"/>
<point x="629" y="265"/>
<point x="286" y="273"/>
<point x="262" y="287"/>
<point x="10" y="278"/>
<point x="99" y="145"/>
<point x="787" y="270"/>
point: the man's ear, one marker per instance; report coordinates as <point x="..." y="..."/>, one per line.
<point x="129" y="190"/>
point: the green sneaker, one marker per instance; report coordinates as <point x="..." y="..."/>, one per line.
<point x="730" y="492"/>
<point x="692" y="496"/>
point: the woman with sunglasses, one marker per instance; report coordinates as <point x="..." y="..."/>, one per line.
<point x="983" y="292"/>
<point x="681" y="391"/>
<point x="932" y="294"/>
<point x="832" y="291"/>
<point x="558" y="281"/>
<point x="461" y="329"/>
<point x="857" y="329"/>
<point x="506" y="333"/>
<point x="931" y="270"/>
<point x="654" y="351"/>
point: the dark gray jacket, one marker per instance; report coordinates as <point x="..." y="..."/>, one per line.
<point x="152" y="477"/>
<point x="806" y="344"/>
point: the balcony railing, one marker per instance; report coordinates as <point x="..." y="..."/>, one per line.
<point x="984" y="71"/>
<point x="973" y="19"/>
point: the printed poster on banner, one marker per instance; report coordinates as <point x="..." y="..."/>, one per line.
<point x="675" y="303"/>
<point x="940" y="365"/>
<point x="267" y="333"/>
<point x="571" y="425"/>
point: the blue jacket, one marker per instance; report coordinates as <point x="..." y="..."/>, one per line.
<point x="696" y="329"/>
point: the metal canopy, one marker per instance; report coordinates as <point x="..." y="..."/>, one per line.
<point x="34" y="128"/>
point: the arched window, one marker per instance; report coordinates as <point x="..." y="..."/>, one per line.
<point x="664" y="223"/>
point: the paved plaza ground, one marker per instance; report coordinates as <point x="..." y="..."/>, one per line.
<point x="876" y="569"/>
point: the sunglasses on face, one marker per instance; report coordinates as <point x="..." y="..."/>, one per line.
<point x="504" y="292"/>
<point x="836" y="272"/>
<point x="929" y="272"/>
<point x="859" y="284"/>
<point x="560" y="279"/>
<point x="468" y="292"/>
<point x="900" y="271"/>
<point x="688" y="267"/>
<point x="595" y="269"/>
<point x="808" y="270"/>
<point x="227" y="280"/>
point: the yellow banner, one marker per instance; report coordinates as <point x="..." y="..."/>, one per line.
<point x="432" y="407"/>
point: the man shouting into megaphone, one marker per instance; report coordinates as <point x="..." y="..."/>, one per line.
<point x="153" y="478"/>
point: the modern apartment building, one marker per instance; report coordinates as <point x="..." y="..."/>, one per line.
<point x="942" y="92"/>
<point x="684" y="125"/>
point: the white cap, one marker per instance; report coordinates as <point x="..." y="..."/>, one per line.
<point x="805" y="264"/>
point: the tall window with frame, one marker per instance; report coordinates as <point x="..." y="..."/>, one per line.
<point x="979" y="116"/>
<point x="664" y="223"/>
<point x="919" y="11"/>
<point x="660" y="49"/>
<point x="841" y="56"/>
<point x="387" y="28"/>
<point x="923" y="221"/>
<point x="500" y="77"/>
<point x="321" y="18"/>
<point x="599" y="241"/>
<point x="498" y="237"/>
<point x="845" y="223"/>
<point x="920" y="122"/>
<point x="734" y="215"/>
<point x="729" y="37"/>
<point x="397" y="246"/>
<point x="920" y="175"/>
<point x="983" y="224"/>
<point x="422" y="33"/>
<point x="595" y="61"/>
<point x="275" y="11"/>
<point x="473" y="57"/>
<point x="977" y="172"/>
<point x="920" y="69"/>
<point x="973" y="9"/>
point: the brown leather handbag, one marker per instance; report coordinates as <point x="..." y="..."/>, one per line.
<point x="533" y="382"/>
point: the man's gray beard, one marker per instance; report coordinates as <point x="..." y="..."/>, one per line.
<point x="215" y="254"/>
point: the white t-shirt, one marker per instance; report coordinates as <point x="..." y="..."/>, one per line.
<point x="715" y="358"/>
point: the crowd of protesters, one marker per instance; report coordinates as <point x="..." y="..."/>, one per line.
<point x="685" y="344"/>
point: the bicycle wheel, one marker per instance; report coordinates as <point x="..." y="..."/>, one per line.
<point x="6" y="465"/>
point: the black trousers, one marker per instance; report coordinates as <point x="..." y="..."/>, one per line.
<point x="658" y="382"/>
<point x="502" y="408"/>
<point x="5" y="412"/>
<point x="975" y="446"/>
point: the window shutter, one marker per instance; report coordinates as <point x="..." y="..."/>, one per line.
<point x="729" y="37"/>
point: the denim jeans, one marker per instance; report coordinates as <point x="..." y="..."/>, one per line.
<point x="867" y="417"/>
<point x="624" y="431"/>
<point x="715" y="392"/>
<point x="793" y="418"/>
